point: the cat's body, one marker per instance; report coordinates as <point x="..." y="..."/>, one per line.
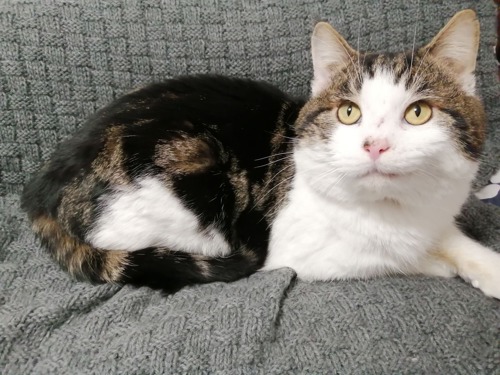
<point x="201" y="179"/>
<point x="186" y="165"/>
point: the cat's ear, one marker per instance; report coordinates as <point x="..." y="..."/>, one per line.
<point x="328" y="49"/>
<point x="457" y="44"/>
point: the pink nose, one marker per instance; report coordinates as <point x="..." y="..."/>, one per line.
<point x="376" y="147"/>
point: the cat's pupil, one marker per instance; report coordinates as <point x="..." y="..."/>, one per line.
<point x="349" y="110"/>
<point x="417" y="110"/>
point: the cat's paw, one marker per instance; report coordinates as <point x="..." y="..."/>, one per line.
<point x="489" y="286"/>
<point x="474" y="262"/>
<point x="484" y="274"/>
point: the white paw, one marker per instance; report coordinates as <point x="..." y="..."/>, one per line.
<point x="485" y="275"/>
<point x="474" y="262"/>
<point x="490" y="286"/>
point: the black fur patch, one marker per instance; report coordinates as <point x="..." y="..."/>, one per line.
<point x="462" y="131"/>
<point x="170" y="270"/>
<point x="369" y="63"/>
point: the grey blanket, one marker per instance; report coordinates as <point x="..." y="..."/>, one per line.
<point x="60" y="60"/>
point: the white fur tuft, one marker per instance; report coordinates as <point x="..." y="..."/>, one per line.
<point x="151" y="215"/>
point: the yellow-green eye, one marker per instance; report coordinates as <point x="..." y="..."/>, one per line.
<point x="348" y="113"/>
<point x="418" y="113"/>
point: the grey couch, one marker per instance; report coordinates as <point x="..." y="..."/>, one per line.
<point x="61" y="60"/>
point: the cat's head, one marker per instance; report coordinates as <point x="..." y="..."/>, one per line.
<point x="395" y="126"/>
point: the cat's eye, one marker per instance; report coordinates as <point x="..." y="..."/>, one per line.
<point x="418" y="113"/>
<point x="348" y="113"/>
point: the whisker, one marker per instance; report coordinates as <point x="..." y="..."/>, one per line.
<point x="277" y="205"/>
<point x="419" y="66"/>
<point x="341" y="177"/>
<point x="357" y="48"/>
<point x="272" y="162"/>
<point x="270" y="156"/>
<point x="258" y="201"/>
<point x="324" y="175"/>
<point x="261" y="199"/>
<point x="369" y="43"/>
<point x="428" y="173"/>
<point x="277" y="174"/>
<point x="413" y="46"/>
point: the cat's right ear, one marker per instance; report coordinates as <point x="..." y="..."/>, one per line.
<point x="328" y="50"/>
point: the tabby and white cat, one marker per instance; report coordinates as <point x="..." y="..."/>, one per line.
<point x="206" y="178"/>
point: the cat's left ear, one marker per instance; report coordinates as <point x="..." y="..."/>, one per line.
<point x="456" y="45"/>
<point x="328" y="50"/>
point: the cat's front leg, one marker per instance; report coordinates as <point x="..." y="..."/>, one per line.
<point x="457" y="254"/>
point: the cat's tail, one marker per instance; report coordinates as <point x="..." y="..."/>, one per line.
<point x="155" y="267"/>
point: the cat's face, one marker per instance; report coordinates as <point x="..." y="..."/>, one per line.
<point x="393" y="126"/>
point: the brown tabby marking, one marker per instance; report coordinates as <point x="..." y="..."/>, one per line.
<point x="203" y="266"/>
<point x="239" y="180"/>
<point x="107" y="168"/>
<point x="74" y="255"/>
<point x="186" y="155"/>
<point x="108" y="164"/>
<point x="76" y="201"/>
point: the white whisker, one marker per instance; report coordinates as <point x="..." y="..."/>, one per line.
<point x="272" y="155"/>
<point x="272" y="162"/>
<point x="357" y="48"/>
<point x="413" y="46"/>
<point x="335" y="183"/>
<point x="419" y="67"/>
<point x="271" y="190"/>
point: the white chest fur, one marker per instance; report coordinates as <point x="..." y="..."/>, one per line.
<point x="322" y="240"/>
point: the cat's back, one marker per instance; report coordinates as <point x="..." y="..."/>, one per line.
<point x="185" y="125"/>
<point x="240" y="115"/>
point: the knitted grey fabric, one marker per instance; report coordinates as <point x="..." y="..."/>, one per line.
<point x="61" y="60"/>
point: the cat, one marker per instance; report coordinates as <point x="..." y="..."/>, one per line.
<point x="207" y="178"/>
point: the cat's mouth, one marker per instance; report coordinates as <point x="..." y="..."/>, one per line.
<point x="378" y="173"/>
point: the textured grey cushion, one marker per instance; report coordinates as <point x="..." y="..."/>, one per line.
<point x="60" y="60"/>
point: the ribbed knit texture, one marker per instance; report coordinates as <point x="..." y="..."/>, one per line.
<point x="61" y="60"/>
